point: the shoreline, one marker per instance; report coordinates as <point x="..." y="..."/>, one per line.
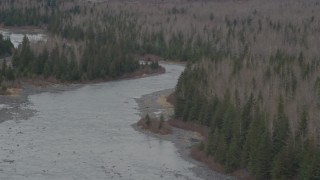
<point x="12" y="104"/>
<point x="200" y="155"/>
<point x="184" y="140"/>
<point x="186" y="136"/>
<point x="42" y="84"/>
<point x="23" y="29"/>
<point x="141" y="73"/>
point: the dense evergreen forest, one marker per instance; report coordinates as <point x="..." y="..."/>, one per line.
<point x="6" y="47"/>
<point x="100" y="49"/>
<point x="257" y="91"/>
<point x="244" y="135"/>
<point x="252" y="75"/>
<point x="97" y="61"/>
<point x="6" y="73"/>
<point x="134" y="31"/>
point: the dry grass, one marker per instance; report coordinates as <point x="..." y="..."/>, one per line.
<point x="14" y="92"/>
<point x="154" y="126"/>
<point x="190" y="126"/>
<point x="171" y="98"/>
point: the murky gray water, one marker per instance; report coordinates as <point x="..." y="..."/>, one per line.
<point x="16" y="38"/>
<point x="86" y="133"/>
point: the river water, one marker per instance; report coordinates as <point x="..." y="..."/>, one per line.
<point x="86" y="133"/>
<point x="17" y="37"/>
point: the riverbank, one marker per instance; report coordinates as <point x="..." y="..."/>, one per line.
<point x="185" y="135"/>
<point x="10" y="92"/>
<point x="42" y="82"/>
<point x="154" y="125"/>
<point x="23" y="29"/>
<point x="84" y="131"/>
<point x="155" y="104"/>
<point x="198" y="153"/>
<point x="46" y="83"/>
<point x="14" y="108"/>
<point x="14" y="99"/>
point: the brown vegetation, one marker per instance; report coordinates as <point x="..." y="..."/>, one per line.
<point x="190" y="126"/>
<point x="153" y="126"/>
<point x="201" y="156"/>
<point x="171" y="98"/>
<point x="11" y="92"/>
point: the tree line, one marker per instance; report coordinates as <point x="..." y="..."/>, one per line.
<point x="97" y="61"/>
<point x="104" y="48"/>
<point x="6" y="73"/>
<point x="6" y="46"/>
<point x="241" y="136"/>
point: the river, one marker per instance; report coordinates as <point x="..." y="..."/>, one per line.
<point x="17" y="37"/>
<point x="85" y="132"/>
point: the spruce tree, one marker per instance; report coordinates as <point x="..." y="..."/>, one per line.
<point x="148" y="120"/>
<point x="285" y="164"/>
<point x="220" y="153"/>
<point x="302" y="126"/>
<point x="264" y="156"/>
<point x="233" y="155"/>
<point x="161" y="121"/>
<point x="280" y="128"/>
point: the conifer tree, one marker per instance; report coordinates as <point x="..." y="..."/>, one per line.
<point x="280" y="128"/>
<point x="148" y="120"/>
<point x="233" y="155"/>
<point x="264" y="156"/>
<point x="161" y="121"/>
<point x="302" y="126"/>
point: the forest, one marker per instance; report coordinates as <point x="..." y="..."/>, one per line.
<point x="252" y="74"/>
<point x="6" y="73"/>
<point x="72" y="52"/>
<point x="258" y="94"/>
<point x="6" y="47"/>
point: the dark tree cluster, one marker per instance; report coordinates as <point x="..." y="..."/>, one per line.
<point x="6" y="46"/>
<point x="240" y="135"/>
<point x="23" y="17"/>
<point x="108" y="45"/>
<point x="97" y="62"/>
<point x="6" y="74"/>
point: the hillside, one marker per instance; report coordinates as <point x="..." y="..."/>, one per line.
<point x="252" y="75"/>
